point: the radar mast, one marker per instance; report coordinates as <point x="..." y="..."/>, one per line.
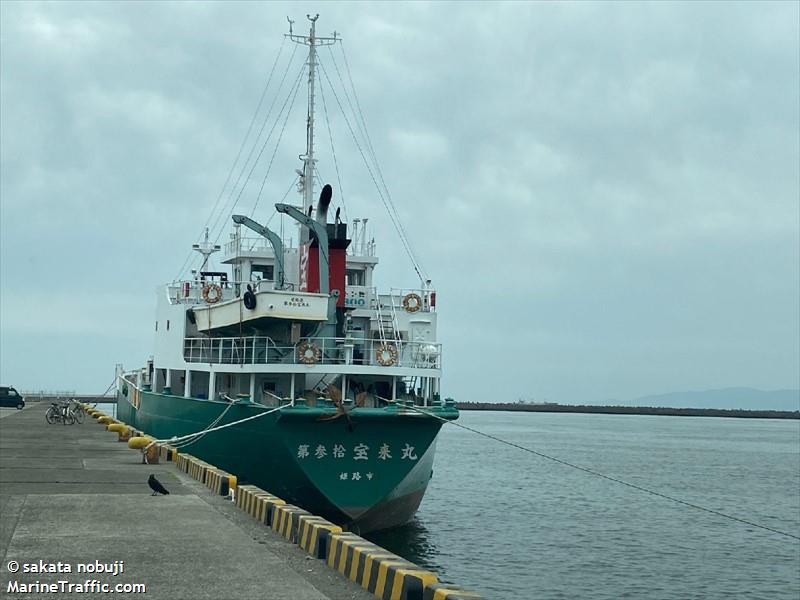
<point x="307" y="175"/>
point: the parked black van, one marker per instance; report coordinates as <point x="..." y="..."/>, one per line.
<point x="11" y="398"/>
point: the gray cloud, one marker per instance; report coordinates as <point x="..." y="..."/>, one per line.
<point x="606" y="195"/>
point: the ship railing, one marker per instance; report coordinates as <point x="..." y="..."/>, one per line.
<point x="130" y="379"/>
<point x="371" y="298"/>
<point x="236" y="246"/>
<point x="398" y="297"/>
<point x="32" y="394"/>
<point x="361" y="249"/>
<point x="260" y="350"/>
<point x="248" y="244"/>
<point x="191" y="291"/>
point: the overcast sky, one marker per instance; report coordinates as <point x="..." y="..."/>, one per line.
<point x="606" y="196"/>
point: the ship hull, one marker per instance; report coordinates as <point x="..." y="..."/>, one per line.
<point x="368" y="470"/>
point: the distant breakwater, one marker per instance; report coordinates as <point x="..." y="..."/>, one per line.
<point x="630" y="410"/>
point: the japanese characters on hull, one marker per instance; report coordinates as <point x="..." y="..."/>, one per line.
<point x="359" y="452"/>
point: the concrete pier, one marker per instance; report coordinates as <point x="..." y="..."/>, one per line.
<point x="71" y="495"/>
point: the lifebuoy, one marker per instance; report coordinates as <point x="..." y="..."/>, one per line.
<point x="308" y="353"/>
<point x="412" y="302"/>
<point x="386" y="355"/>
<point x="212" y="293"/>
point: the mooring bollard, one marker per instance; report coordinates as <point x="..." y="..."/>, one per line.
<point x="123" y="430"/>
<point x="148" y="448"/>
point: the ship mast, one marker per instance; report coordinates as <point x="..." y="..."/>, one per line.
<point x="206" y="248"/>
<point x="307" y="176"/>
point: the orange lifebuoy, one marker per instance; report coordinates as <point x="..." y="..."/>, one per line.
<point x="308" y="353"/>
<point x="412" y="302"/>
<point x="212" y="293"/>
<point x="386" y="355"/>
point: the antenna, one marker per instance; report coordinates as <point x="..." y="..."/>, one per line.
<point x="313" y="42"/>
<point x="206" y="248"/>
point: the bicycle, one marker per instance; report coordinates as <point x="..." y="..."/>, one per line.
<point x="77" y="412"/>
<point x="59" y="413"/>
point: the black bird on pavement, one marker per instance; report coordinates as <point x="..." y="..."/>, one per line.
<point x="156" y="486"/>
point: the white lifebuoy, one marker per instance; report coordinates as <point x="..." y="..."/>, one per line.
<point x="412" y="302"/>
<point x="308" y="353"/>
<point x="386" y="355"/>
<point x="212" y="293"/>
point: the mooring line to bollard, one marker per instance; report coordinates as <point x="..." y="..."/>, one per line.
<point x="173" y="441"/>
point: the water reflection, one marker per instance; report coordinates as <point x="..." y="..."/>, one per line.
<point x="411" y="541"/>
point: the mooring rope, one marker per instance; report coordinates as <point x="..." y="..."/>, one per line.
<point x="604" y="476"/>
<point x="177" y="439"/>
<point x="199" y="435"/>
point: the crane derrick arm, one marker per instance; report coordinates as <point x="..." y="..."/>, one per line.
<point x="274" y="240"/>
<point x="321" y="231"/>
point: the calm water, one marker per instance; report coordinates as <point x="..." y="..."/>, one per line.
<point x="512" y="525"/>
<point x="108" y="408"/>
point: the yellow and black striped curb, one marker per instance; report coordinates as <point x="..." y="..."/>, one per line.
<point x="167" y="452"/>
<point x="193" y="466"/>
<point x="313" y="535"/>
<point x="345" y="554"/>
<point x="443" y="591"/>
<point x="257" y="503"/>
<point x="182" y="460"/>
<point x="377" y="570"/>
<point x="198" y="469"/>
<point x="220" y="482"/>
<point x="286" y="520"/>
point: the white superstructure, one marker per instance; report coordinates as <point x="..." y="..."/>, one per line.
<point x="279" y="321"/>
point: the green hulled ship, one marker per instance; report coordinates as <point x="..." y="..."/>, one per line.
<point x="285" y="365"/>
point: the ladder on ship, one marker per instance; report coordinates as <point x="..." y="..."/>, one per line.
<point x="388" y="331"/>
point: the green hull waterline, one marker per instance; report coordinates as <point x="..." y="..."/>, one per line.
<point x="368" y="471"/>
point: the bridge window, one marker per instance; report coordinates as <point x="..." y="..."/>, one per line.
<point x="355" y="277"/>
<point x="262" y="272"/>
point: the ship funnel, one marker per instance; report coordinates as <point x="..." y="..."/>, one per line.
<point x="322" y="206"/>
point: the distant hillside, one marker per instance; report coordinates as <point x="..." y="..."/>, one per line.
<point x="731" y="398"/>
<point x="552" y="407"/>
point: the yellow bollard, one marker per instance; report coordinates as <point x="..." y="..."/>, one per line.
<point x="149" y="452"/>
<point x="139" y="442"/>
<point x="123" y="430"/>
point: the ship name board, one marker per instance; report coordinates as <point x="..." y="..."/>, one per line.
<point x="297" y="302"/>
